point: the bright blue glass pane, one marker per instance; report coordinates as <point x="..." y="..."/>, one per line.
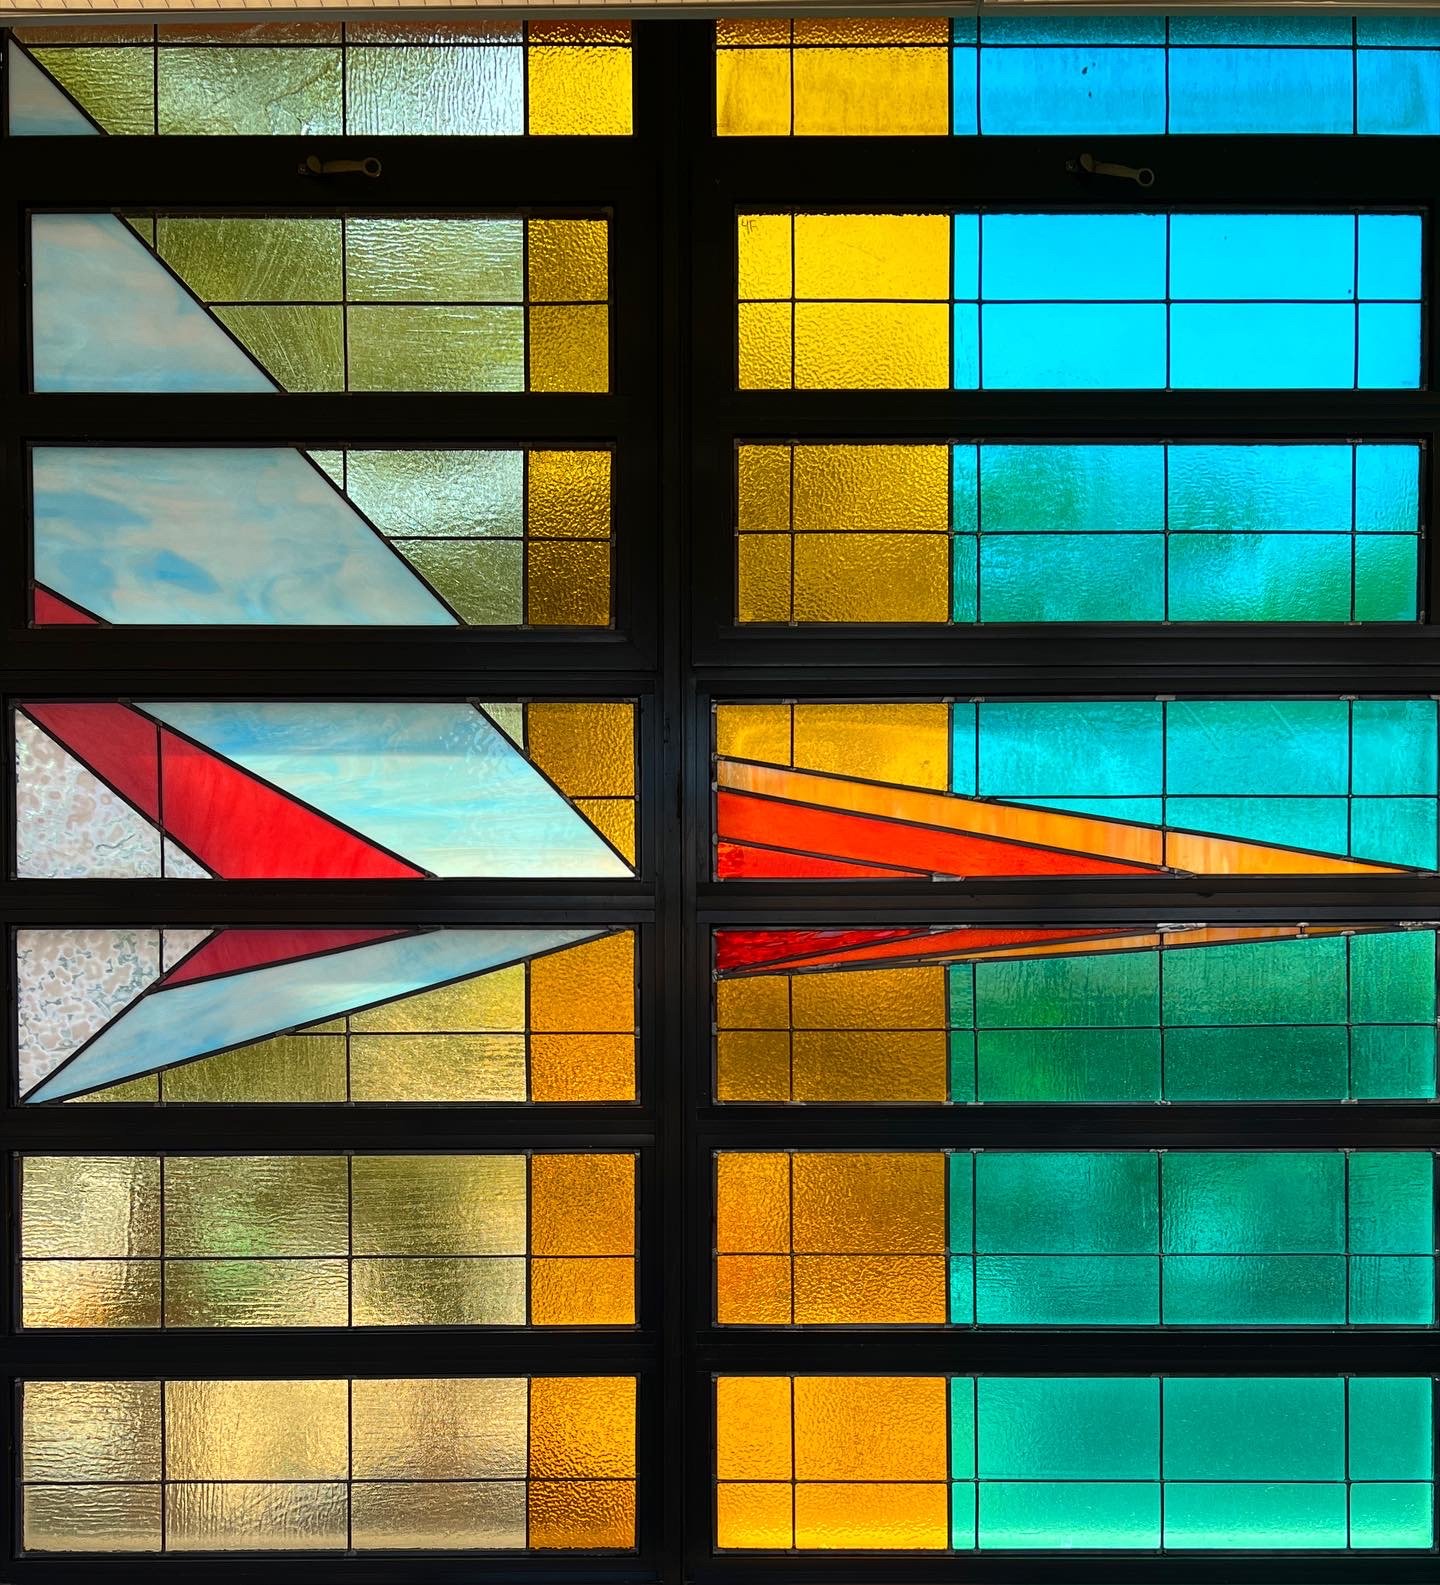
<point x="965" y="249"/>
<point x="1262" y="256"/>
<point x="1105" y="257"/>
<point x="1106" y="747"/>
<point x="1387" y="569"/>
<point x="1387" y="489"/>
<point x="1260" y="489"/>
<point x="1054" y="90"/>
<point x="1389" y="346"/>
<point x="1261" y="90"/>
<point x="1075" y="489"/>
<point x="1073" y="578"/>
<point x="1074" y="346"/>
<point x="1286" y="345"/>
<point x="1269" y="746"/>
<point x="1073" y="30"/>
<point x="1398" y="92"/>
<point x="1260" y="30"/>
<point x="963" y="122"/>
<point x="1390" y="256"/>
<point x="1259" y="578"/>
<point x="1393" y="744"/>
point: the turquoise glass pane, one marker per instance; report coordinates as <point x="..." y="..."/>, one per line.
<point x="1058" y="91"/>
<point x="964" y="748"/>
<point x="1394" y="830"/>
<point x="1086" y="1514"/>
<point x="1106" y="990"/>
<point x="1250" y="257"/>
<point x="965" y="256"/>
<point x="1387" y="570"/>
<point x="1078" y="578"/>
<point x="1391" y="1515"/>
<point x="964" y="1505"/>
<point x="1078" y="489"/>
<point x="1393" y="744"/>
<point x="1392" y="1198"/>
<point x="1398" y="92"/>
<point x="1270" y="746"/>
<point x="1268" y="489"/>
<point x="1294" y="1428"/>
<point x="1261" y="90"/>
<point x="1392" y="975"/>
<point x="960" y="1210"/>
<point x="1074" y="346"/>
<point x="1106" y="747"/>
<point x="1069" y="1065"/>
<point x="1254" y="1290"/>
<point x="1069" y="1428"/>
<point x="960" y="1301"/>
<point x="1390" y="1436"/>
<point x="1067" y="1290"/>
<point x="1271" y="982"/>
<point x="1015" y="30"/>
<point x="962" y="1427"/>
<point x="1246" y="346"/>
<point x="1273" y="1516"/>
<point x="1396" y="31"/>
<point x="1392" y="1290"/>
<point x="1390" y="251"/>
<point x="1259" y="578"/>
<point x="1066" y="1202"/>
<point x="1256" y="1064"/>
<point x="1253" y="1202"/>
<point x="1389" y="346"/>
<point x="965" y="347"/>
<point x="1260" y="30"/>
<point x="964" y="120"/>
<point x="1318" y="824"/>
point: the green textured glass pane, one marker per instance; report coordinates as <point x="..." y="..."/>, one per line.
<point x="1261" y="1064"/>
<point x="1393" y="742"/>
<point x="1270" y="982"/>
<point x="964" y="489"/>
<point x="1259" y="578"/>
<point x="331" y="464"/>
<point x="252" y="90"/>
<point x="960" y="996"/>
<point x="1259" y="489"/>
<point x="1393" y="1063"/>
<point x="1392" y="1200"/>
<point x="1254" y="1290"/>
<point x="299" y="347"/>
<point x="1253" y="1202"/>
<point x="1392" y="977"/>
<point x="960" y="1184"/>
<point x="256" y="1205"/>
<point x="1239" y="746"/>
<point x="482" y="579"/>
<point x="1387" y="489"/>
<point x="963" y="1506"/>
<point x="1390" y="1435"/>
<point x="449" y="91"/>
<point x="296" y="1068"/>
<point x="115" y="86"/>
<point x="1392" y="1290"/>
<point x="1074" y="578"/>
<point x="1069" y="1428"/>
<point x="1069" y="1065"/>
<point x="1106" y="990"/>
<point x="257" y="1293"/>
<point x="1084" y="748"/>
<point x="143" y="226"/>
<point x="437" y="349"/>
<point x="1029" y="1515"/>
<point x="1387" y="571"/>
<point x="1294" y="1428"/>
<point x="964" y="578"/>
<point x="1392" y="1515"/>
<point x="253" y="260"/>
<point x="435" y="261"/>
<point x="1263" y="1517"/>
<point x="1075" y="489"/>
<point x="962" y="1065"/>
<point x="425" y="493"/>
<point x="961" y="1291"/>
<point x="1318" y="824"/>
<point x="962" y="1428"/>
<point x="1394" y="830"/>
<point x="1067" y="1290"/>
<point x="1066" y="1202"/>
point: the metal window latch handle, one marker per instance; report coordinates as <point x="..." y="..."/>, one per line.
<point x="1142" y="176"/>
<point x="315" y="166"/>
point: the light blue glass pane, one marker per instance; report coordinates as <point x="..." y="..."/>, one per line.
<point x="1234" y="746"/>
<point x="1393" y="742"/>
<point x="1242" y="1202"/>
<point x="1085" y="747"/>
<point x="1067" y="1290"/>
<point x="1064" y="1428"/>
<point x="1073" y="30"/>
<point x="962" y="1427"/>
<point x="1390" y="1428"/>
<point x="1260" y="30"/>
<point x="1260" y="578"/>
<point x="1394" y="831"/>
<point x="1392" y="977"/>
<point x="1066" y="1202"/>
<point x="1268" y="982"/>
<point x="1260" y="489"/>
<point x="1387" y="489"/>
<point x="1294" y="1428"/>
<point x="1392" y="1290"/>
<point x="1262" y="1517"/>
<point x="1058" y="91"/>
<point x="1144" y="811"/>
<point x="1393" y="1063"/>
<point x="1106" y="257"/>
<point x="965" y="347"/>
<point x="1392" y="1515"/>
<point x="1070" y="1065"/>
<point x="1254" y="1290"/>
<point x="1089" y="489"/>
<point x="964" y="489"/>
<point x="964" y="747"/>
<point x="1392" y="30"/>
<point x="1387" y="570"/>
<point x="1392" y="1199"/>
<point x="963" y="122"/>
<point x="1262" y="256"/>
<point x="961" y="1284"/>
<point x="37" y="107"/>
<point x="1389" y="346"/>
<point x="1317" y="824"/>
<point x="964" y="575"/>
<point x="1390" y="256"/>
<point x="1074" y="346"/>
<point x="965" y="246"/>
<point x="960" y="1211"/>
<point x="1073" y="578"/>
<point x="1261" y="90"/>
<point x="1105" y="991"/>
<point x="1116" y="1515"/>
<point x="1285" y="1064"/>
<point x="1398" y="92"/>
<point x="1250" y="346"/>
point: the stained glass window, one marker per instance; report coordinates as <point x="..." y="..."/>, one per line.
<point x="1067" y="75"/>
<point x="1146" y="301"/>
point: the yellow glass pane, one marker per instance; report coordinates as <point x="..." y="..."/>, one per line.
<point x="595" y="1291"/>
<point x="257" y="1293"/>
<point x="92" y="1518"/>
<point x="886" y="1202"/>
<point x="870" y="346"/>
<point x="870" y="998"/>
<point x="440" y="1428"/>
<point x="488" y="1002"/>
<point x="870" y="1427"/>
<point x="575" y="30"/>
<point x="568" y="260"/>
<point x="579" y="90"/>
<point x="568" y="585"/>
<point x="869" y="1290"/>
<point x="91" y="1430"/>
<point x="752" y="1065"/>
<point x="752" y="1202"/>
<point x="438" y="1205"/>
<point x="569" y="347"/>
<point x="752" y="93"/>
<point x="582" y="1513"/>
<point x="90" y="1293"/>
<point x="256" y="1430"/>
<point x="474" y="1290"/>
<point x="872" y="487"/>
<point x="766" y="347"/>
<point x="256" y="1515"/>
<point x="449" y="1515"/>
<point x="295" y="1067"/>
<point x="759" y="1003"/>
<point x="145" y="1089"/>
<point x="567" y="494"/>
<point x="582" y="1068"/>
<point x="582" y="1427"/>
<point x="590" y="987"/>
<point x="872" y="92"/>
<point x="764" y="489"/>
<point x="751" y="31"/>
<point x="754" y="731"/>
<point x="871" y="1065"/>
<point x="873" y="30"/>
<point x="256" y="1205"/>
<point x="754" y="1515"/>
<point x="766" y="268"/>
<point x="752" y="1428"/>
<point x="582" y="1204"/>
<point x="872" y="578"/>
<point x="764" y="578"/>
<point x="614" y="819"/>
<point x="752" y="1290"/>
<point x="586" y="747"/>
<point x="844" y="257"/>
<point x="437" y="1067"/>
<point x="897" y="1516"/>
<point x="90" y="1205"/>
<point x="903" y="743"/>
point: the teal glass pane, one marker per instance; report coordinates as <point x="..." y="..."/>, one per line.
<point x="1069" y="1065"/>
<point x="962" y="1065"/>
<point x="960" y="1208"/>
<point x="1266" y="1063"/>
<point x="1267" y="489"/>
<point x="962" y="1428"/>
<point x="1240" y="1516"/>
<point x="1067" y="1290"/>
<point x="1020" y="30"/>
<point x="1392" y="977"/>
<point x="1392" y="1290"/>
<point x="1294" y="1429"/>
<point x="1392" y="1200"/>
<point x="1105" y="990"/>
<point x="1257" y="31"/>
<point x="1254" y="1290"/>
<point x="1398" y="92"/>
<point x="1253" y="1202"/>
<point x="1108" y="748"/>
<point x="1396" y="31"/>
<point x="1066" y="1202"/>
<point x="1079" y="489"/>
<point x="1270" y="982"/>
<point x="1393" y="746"/>
<point x="964" y="1505"/>
<point x="1076" y="1513"/>
<point x="1390" y="1435"/>
<point x="1391" y="1515"/>
<point x="1270" y="746"/>
<point x="1261" y="90"/>
<point x="1318" y="824"/>
<point x="1080" y="578"/>
<point x="1075" y="346"/>
<point x="1387" y="571"/>
<point x="1393" y="1062"/>
<point x="1068" y="1428"/>
<point x="1394" y="830"/>
<point x="1063" y="91"/>
<point x="960" y="1291"/>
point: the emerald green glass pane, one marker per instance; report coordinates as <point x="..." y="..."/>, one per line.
<point x="437" y="349"/>
<point x="1066" y="1202"/>
<point x="1078" y="489"/>
<point x="1067" y="1290"/>
<point x="1390" y="1437"/>
<point x="1254" y="1290"/>
<point x="1275" y="982"/>
<point x="1392" y="1515"/>
<point x="962" y="1065"/>
<point x="243" y="259"/>
<point x="1080" y="1514"/>
<point x="1069" y="1065"/>
<point x="1241" y="1516"/>
<point x="435" y="261"/>
<point x="1392" y="1198"/>
<point x="960" y="995"/>
<point x="1237" y="1202"/>
<point x="251" y="90"/>
<point x="483" y="580"/>
<point x="1294" y="1428"/>
<point x="962" y="1428"/>
<point x="1069" y="1428"/>
<point x="1077" y="578"/>
<point x="1105" y="990"/>
<point x="1393" y="977"/>
<point x="1246" y="746"/>
<point x="1394" y="1062"/>
<point x="1258" y="578"/>
<point x="1255" y="1064"/>
<point x="1392" y="1290"/>
<point x="960" y="1170"/>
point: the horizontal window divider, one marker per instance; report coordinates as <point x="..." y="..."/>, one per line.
<point x="1064" y="1568"/>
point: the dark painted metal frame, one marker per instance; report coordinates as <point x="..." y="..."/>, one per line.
<point x="675" y="417"/>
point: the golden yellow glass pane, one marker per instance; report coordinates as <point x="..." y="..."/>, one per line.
<point x="579" y="90"/>
<point x="430" y="1516"/>
<point x="872" y="487"/>
<point x="903" y="743"/>
<point x="115" y="1293"/>
<point x="262" y="1516"/>
<point x="766" y="262"/>
<point x="567" y="494"/>
<point x="585" y="987"/>
<point x="91" y="1430"/>
<point x="736" y="32"/>
<point x="92" y="1518"/>
<point x="493" y="1002"/>
<point x="582" y="1514"/>
<point x="586" y="747"/>
<point x="592" y="1291"/>
<point x="871" y="1065"/>
<point x="869" y="1290"/>
<point x="759" y="1003"/>
<point x="870" y="998"/>
<point x="865" y="1516"/>
<point x="257" y="1293"/>
<point x="752" y="1202"/>
<point x="753" y="1290"/>
<point x="256" y="1430"/>
<point x="872" y="92"/>
<point x="582" y="1204"/>
<point x="764" y="578"/>
<point x="752" y="1515"/>
<point x="885" y="1202"/>
<point x="752" y="1065"/>
<point x="752" y="93"/>
<point x="871" y="578"/>
<point x="438" y="1205"/>
<point x="441" y="1428"/>
<point x="763" y="496"/>
<point x="873" y="30"/>
<point x="752" y="1428"/>
<point x="870" y="346"/>
<point x="754" y="731"/>
<point x="437" y="1067"/>
<point x="299" y="1067"/>
<point x="569" y="260"/>
<point x="582" y="1427"/>
<point x="614" y="819"/>
<point x="90" y="1205"/>
<point x="471" y="1290"/>
<point x="568" y="584"/>
<point x="569" y="347"/>
<point x="848" y="257"/>
<point x="582" y="1067"/>
<point x="766" y="346"/>
<point x="887" y="1428"/>
<point x="256" y="1205"/>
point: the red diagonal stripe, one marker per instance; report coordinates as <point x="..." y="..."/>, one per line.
<point x="738" y="861"/>
<point x="231" y="951"/>
<point x="52" y="611"/>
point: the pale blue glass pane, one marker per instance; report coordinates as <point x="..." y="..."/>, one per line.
<point x="1294" y="1428"/>
<point x="1390" y="256"/>
<point x="1260" y="578"/>
<point x="1234" y="746"/>
<point x="1073" y="30"/>
<point x="1106" y="257"/>
<point x="1248" y="346"/>
<point x="1392" y="977"/>
<point x="1393" y="742"/>
<point x="1387" y="570"/>
<point x="1387" y="489"/>
<point x="1262" y="256"/>
<point x="1316" y="824"/>
<point x="1054" y="91"/>
<point x="1392" y="1515"/>
<point x="1392" y="1290"/>
<point x="1262" y="1517"/>
<point x="965" y="347"/>
<point x="963" y="121"/>
<point x="1067" y="1290"/>
<point x="1394" y="831"/>
<point x="1089" y="1514"/>
<point x="1069" y="1428"/>
<point x="1389" y="346"/>
<point x="1260" y="489"/>
<point x="965" y="246"/>
<point x="1261" y="90"/>
<point x="1106" y="747"/>
<point x="1398" y="92"/>
<point x="1073" y="578"/>
<point x="1288" y="1064"/>
<point x="1079" y="489"/>
<point x="1074" y="346"/>
<point x="1254" y="1290"/>
<point x="1390" y="1428"/>
<point x="1260" y="30"/>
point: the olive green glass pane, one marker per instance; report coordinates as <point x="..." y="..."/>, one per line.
<point x="299" y="346"/>
<point x="482" y="579"/>
<point x="116" y="86"/>
<point x="437" y="349"/>
<point x="435" y="261"/>
<point x="251" y="90"/>
<point x="296" y="1068"/>
<point x="422" y="494"/>
<point x="254" y="260"/>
